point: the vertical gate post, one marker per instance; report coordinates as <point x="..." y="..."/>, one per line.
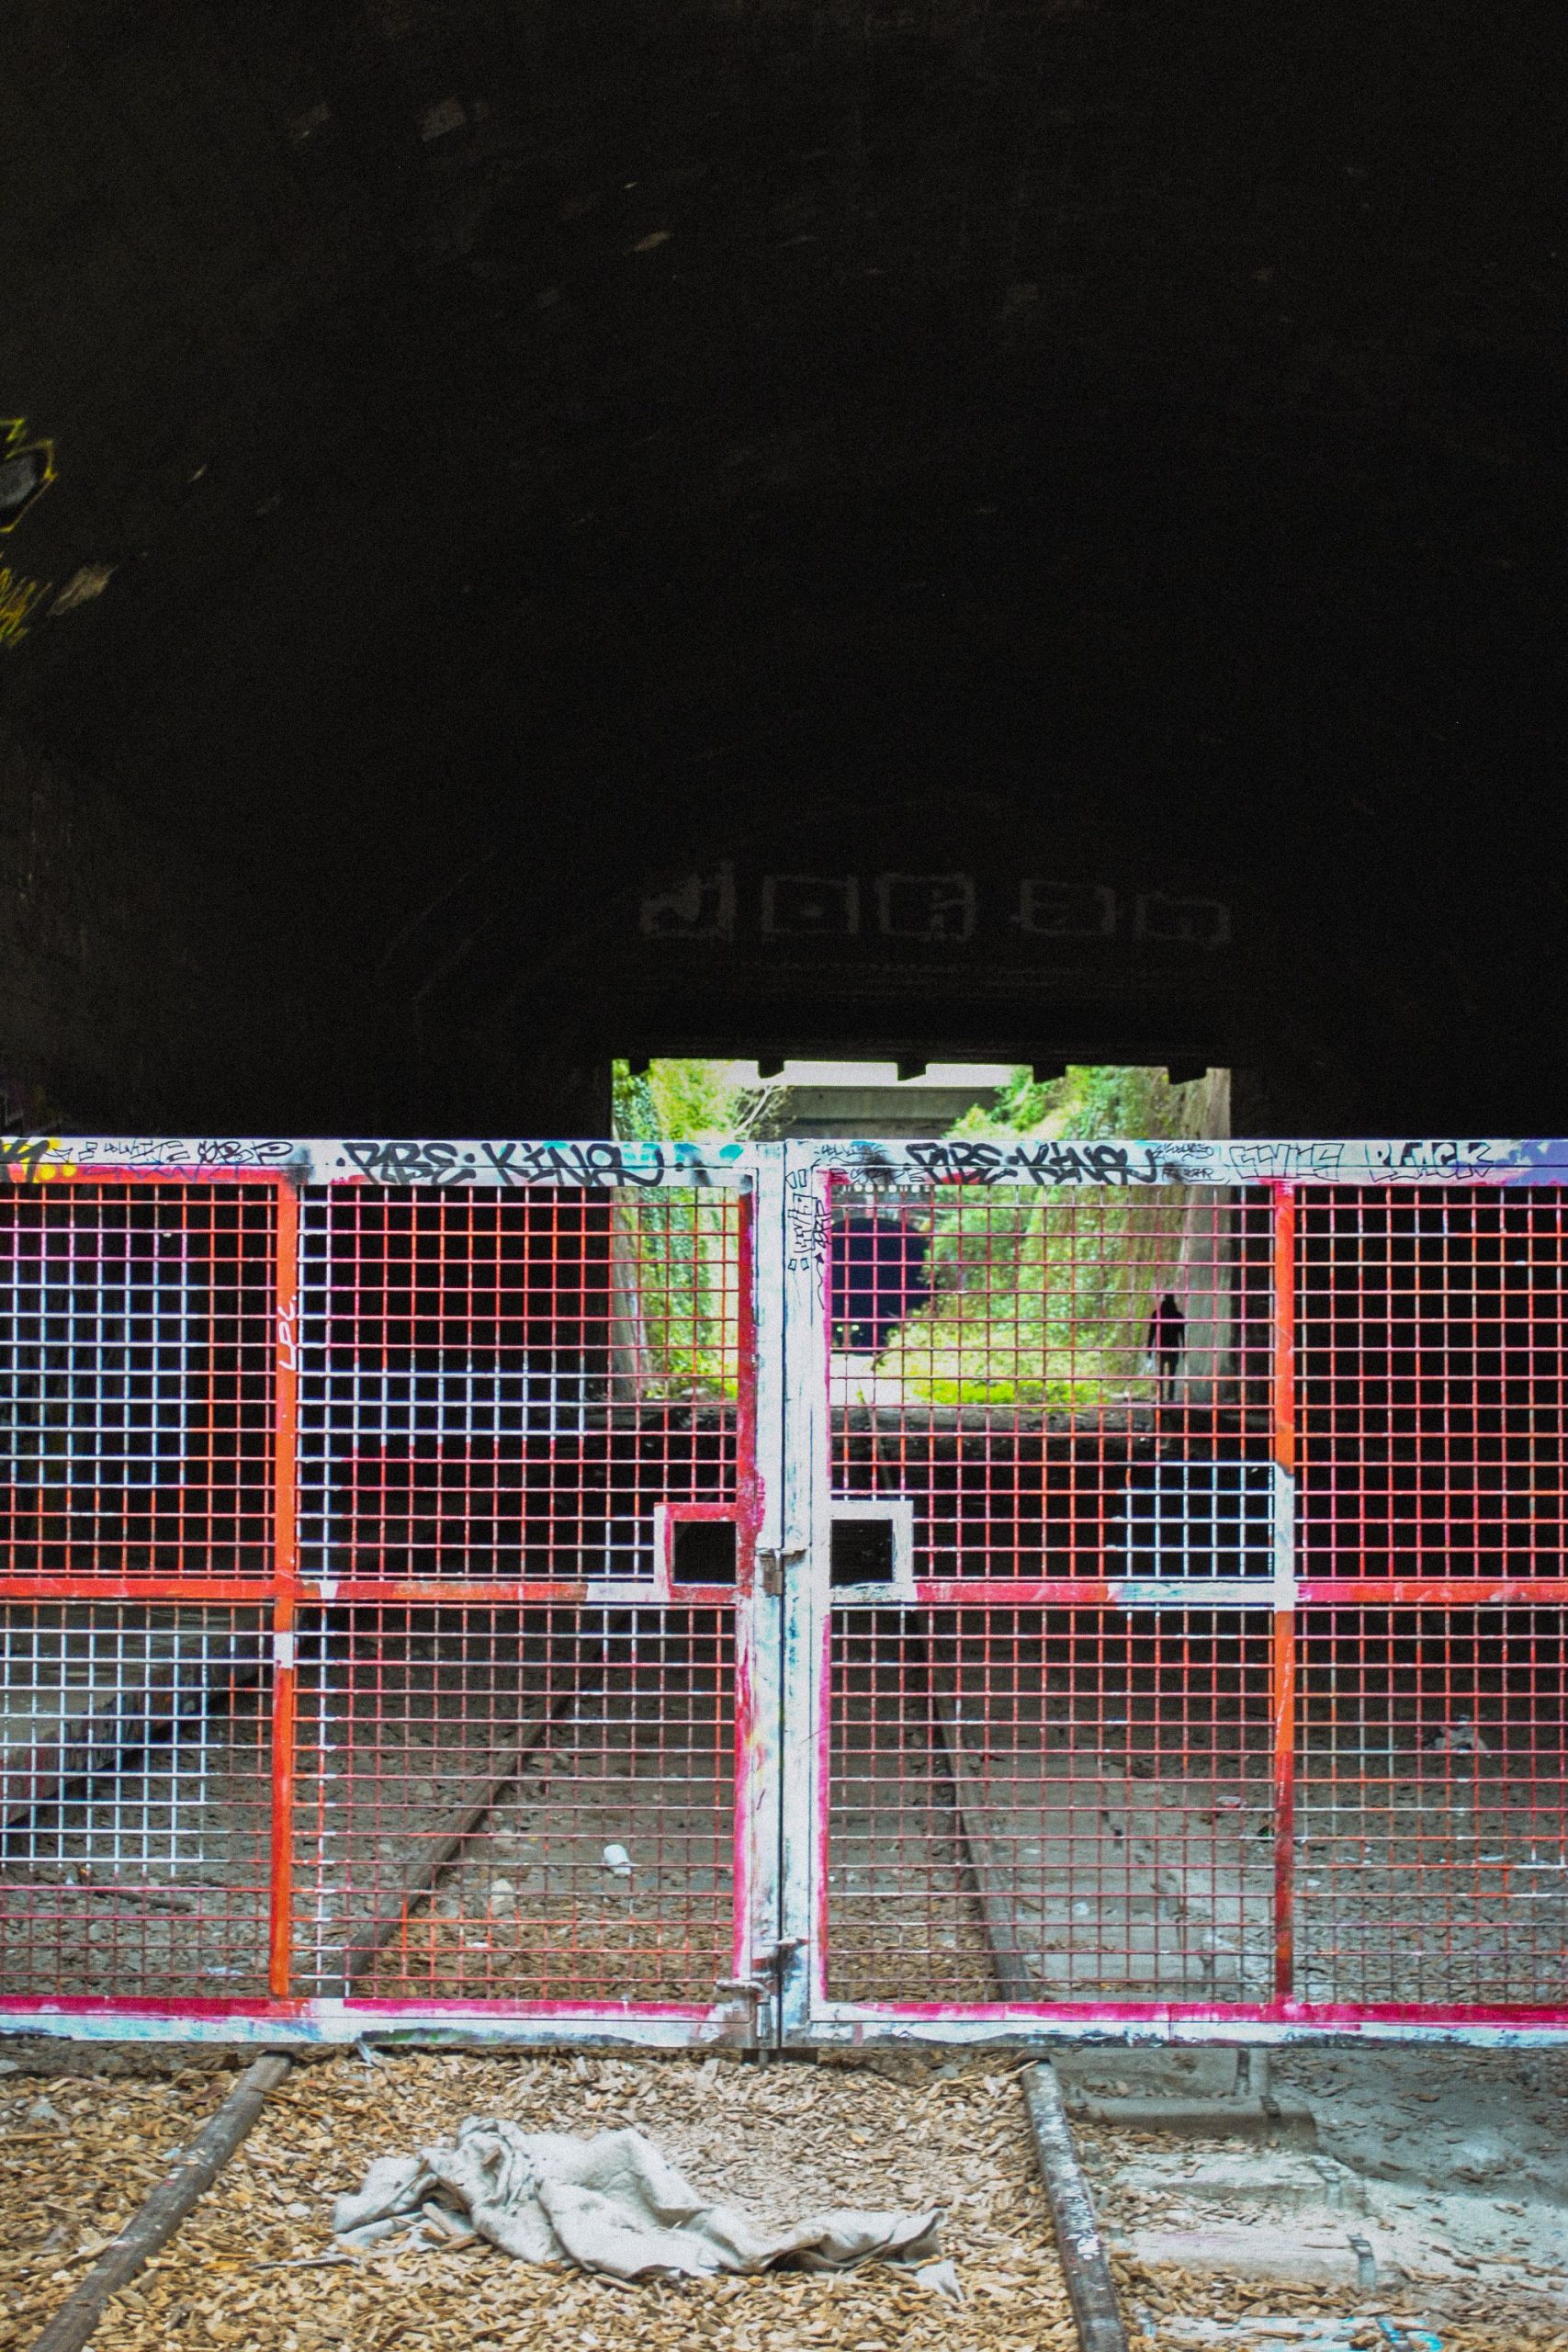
<point x="804" y="1623"/>
<point x="1282" y="1422"/>
<point x="285" y="1571"/>
<point x="760" y="1712"/>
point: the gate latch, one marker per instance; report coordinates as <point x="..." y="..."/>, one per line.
<point x="772" y="1565"/>
<point x="769" y="1976"/>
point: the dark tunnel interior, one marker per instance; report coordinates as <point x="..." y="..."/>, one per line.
<point x="529" y="532"/>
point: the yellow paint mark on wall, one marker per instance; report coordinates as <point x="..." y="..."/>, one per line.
<point x="18" y="598"/>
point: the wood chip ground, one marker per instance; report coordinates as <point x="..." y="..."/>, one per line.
<point x="255" y="2268"/>
<point x="78" y="2152"/>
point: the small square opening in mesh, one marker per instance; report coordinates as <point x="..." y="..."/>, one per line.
<point x="702" y="1551"/>
<point x="861" y="1552"/>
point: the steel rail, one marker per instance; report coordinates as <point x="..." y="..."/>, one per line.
<point x="428" y="1863"/>
<point x="1090" y="2287"/>
<point x="156" y="2221"/>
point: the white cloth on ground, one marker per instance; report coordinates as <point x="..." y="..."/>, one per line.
<point x="611" y="2203"/>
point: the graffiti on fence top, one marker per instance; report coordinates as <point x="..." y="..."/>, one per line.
<point x="236" y="1151"/>
<point x="509" y="1164"/>
<point x="710" y="908"/>
<point x="142" y="1152"/>
<point x="437" y="1161"/>
<point x="380" y="1159"/>
<point x="34" y="1159"/>
<point x="1423" y="1160"/>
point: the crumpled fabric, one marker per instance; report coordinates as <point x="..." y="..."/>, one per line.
<point x="613" y="2203"/>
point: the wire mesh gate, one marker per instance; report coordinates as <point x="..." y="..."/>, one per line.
<point x="813" y="1591"/>
<point x="379" y="1524"/>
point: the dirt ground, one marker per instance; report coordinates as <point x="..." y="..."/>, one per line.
<point x="1450" y="2167"/>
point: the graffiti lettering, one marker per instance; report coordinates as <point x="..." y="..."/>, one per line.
<point x="134" y="1151"/>
<point x="807" y="1231"/>
<point x="396" y="1160"/>
<point x="1183" y="922"/>
<point x="27" y="1159"/>
<point x="579" y="1163"/>
<point x="289" y="1336"/>
<point x="1043" y="1163"/>
<point x="1279" y="1163"/>
<point x="926" y="906"/>
<point x="693" y="906"/>
<point x="915" y="1166"/>
<point x="810" y="907"/>
<point x="1204" y="1162"/>
<point x="709" y="906"/>
<point x="1434" y="1158"/>
<point x="244" y="1152"/>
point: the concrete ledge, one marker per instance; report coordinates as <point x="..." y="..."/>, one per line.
<point x="1294" y="2257"/>
<point x="1269" y="2122"/>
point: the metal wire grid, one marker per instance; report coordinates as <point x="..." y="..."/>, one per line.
<point x="1070" y="1384"/>
<point x="509" y="1385"/>
<point x="136" y="1373"/>
<point x="522" y="1805"/>
<point x="1432" y="1805"/>
<point x="1404" y="1842"/>
<point x="1430" y="1349"/>
<point x="591" y="1357"/>
<point x="135" y="1801"/>
<point x="1049" y="1807"/>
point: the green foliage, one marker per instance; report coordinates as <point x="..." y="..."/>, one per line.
<point x="676" y="1249"/>
<point x="1040" y="1299"/>
<point x="676" y="1294"/>
<point x="1089" y="1102"/>
<point x="682" y="1101"/>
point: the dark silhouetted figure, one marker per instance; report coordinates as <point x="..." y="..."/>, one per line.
<point x="1168" y="1340"/>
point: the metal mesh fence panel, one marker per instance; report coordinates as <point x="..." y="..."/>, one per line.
<point x="1432" y="1806"/>
<point x="520" y="1804"/>
<point x="136" y="1367"/>
<point x="1041" y="1807"/>
<point x="1057" y="1384"/>
<point x="1430" y="1336"/>
<point x="832" y="1591"/>
<point x="1195" y="1602"/>
<point x="520" y="1385"/>
<point x="136" y="1801"/>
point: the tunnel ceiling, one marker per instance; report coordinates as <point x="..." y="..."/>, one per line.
<point x="551" y="440"/>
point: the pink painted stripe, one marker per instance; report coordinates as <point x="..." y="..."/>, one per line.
<point x="1322" y="2015"/>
